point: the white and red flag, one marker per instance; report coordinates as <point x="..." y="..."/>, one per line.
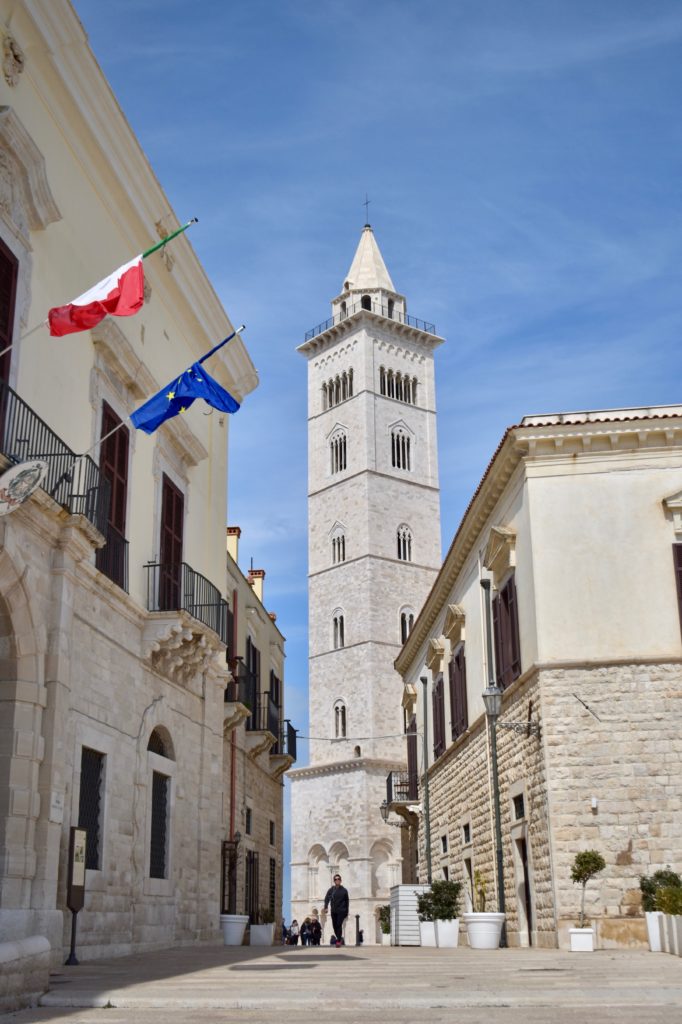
<point x="119" y="294"/>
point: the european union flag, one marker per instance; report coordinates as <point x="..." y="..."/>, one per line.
<point x="179" y="395"/>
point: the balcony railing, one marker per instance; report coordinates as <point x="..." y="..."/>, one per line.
<point x="401" y="787"/>
<point x="112" y="559"/>
<point x="175" y="586"/>
<point x="239" y="691"/>
<point x="286" y="743"/>
<point x="77" y="485"/>
<point x="379" y="310"/>
<point x="264" y="715"/>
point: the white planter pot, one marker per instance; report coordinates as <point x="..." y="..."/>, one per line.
<point x="233" y="926"/>
<point x="427" y="933"/>
<point x="262" y="934"/>
<point x="678" y="928"/>
<point x="483" y="930"/>
<point x="385" y="938"/>
<point x="671" y="934"/>
<point x="582" y="940"/>
<point x="653" y="928"/>
<point x="447" y="933"/>
<point x="662" y="933"/>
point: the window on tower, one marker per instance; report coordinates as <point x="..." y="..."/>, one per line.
<point x="337" y="389"/>
<point x="366" y="302"/>
<point x="400" y="386"/>
<point x="338" y="630"/>
<point x="338" y="548"/>
<point x="404" y="538"/>
<point x="337" y="452"/>
<point x="339" y="720"/>
<point x="406" y="623"/>
<point x="401" y="456"/>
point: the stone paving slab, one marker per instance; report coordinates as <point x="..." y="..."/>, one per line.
<point x="365" y="986"/>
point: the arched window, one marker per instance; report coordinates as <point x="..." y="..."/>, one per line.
<point x="390" y="308"/>
<point x="344" y="386"/>
<point x="339" y="720"/>
<point x="337" y="450"/>
<point x="344" y="309"/>
<point x="338" y="630"/>
<point x="400" y="449"/>
<point x="338" y="548"/>
<point x="399" y="386"/>
<point x="350" y="383"/>
<point x="414" y="391"/>
<point x="407" y="388"/>
<point x="366" y="302"/>
<point x="337" y="390"/>
<point x="404" y="539"/>
<point x="382" y="380"/>
<point x="324" y="396"/>
<point x="390" y="389"/>
<point x="406" y="623"/>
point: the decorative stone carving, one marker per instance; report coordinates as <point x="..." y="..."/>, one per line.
<point x="258" y="742"/>
<point x="279" y="764"/>
<point x="674" y="505"/>
<point x="175" y="648"/>
<point x="31" y="188"/>
<point x="434" y="655"/>
<point x="13" y="60"/>
<point x="453" y="629"/>
<point x="234" y="714"/>
<point x="500" y="552"/>
<point x="409" y="700"/>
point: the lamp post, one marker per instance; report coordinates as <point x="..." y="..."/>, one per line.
<point x="425" y="750"/>
<point x="492" y="698"/>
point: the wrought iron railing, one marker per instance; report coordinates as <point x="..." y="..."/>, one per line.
<point x="239" y="691"/>
<point x="286" y="743"/>
<point x="401" y="787"/>
<point x="264" y="715"/>
<point x="76" y="484"/>
<point x="112" y="559"/>
<point x="379" y="310"/>
<point x="175" y="586"/>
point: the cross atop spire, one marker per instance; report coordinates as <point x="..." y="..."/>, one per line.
<point x="366" y="206"/>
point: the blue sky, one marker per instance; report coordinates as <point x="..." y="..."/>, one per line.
<point x="523" y="162"/>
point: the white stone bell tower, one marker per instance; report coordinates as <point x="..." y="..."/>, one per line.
<point x="374" y="551"/>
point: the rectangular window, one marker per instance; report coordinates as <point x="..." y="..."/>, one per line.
<point x="253" y="683"/>
<point x="9" y="273"/>
<point x="272" y="901"/>
<point x="519" y="807"/>
<point x="272" y="833"/>
<point x="90" y="804"/>
<point x="458" y="693"/>
<point x="158" y="847"/>
<point x="172" y="526"/>
<point x="275" y="688"/>
<point x="444" y="844"/>
<point x="506" y="635"/>
<point x="466" y="833"/>
<point x="438" y="717"/>
<point x="251" y="902"/>
<point x="677" y="562"/>
<point x="446" y="873"/>
<point x="112" y="559"/>
<point x="412" y="770"/>
<point x="249" y="821"/>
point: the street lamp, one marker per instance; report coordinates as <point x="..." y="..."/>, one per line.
<point x="384" y="811"/>
<point x="425" y="751"/>
<point x="492" y="698"/>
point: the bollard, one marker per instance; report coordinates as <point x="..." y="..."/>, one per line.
<point x="357" y="929"/>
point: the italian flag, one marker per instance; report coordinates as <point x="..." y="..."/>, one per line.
<point x="119" y="294"/>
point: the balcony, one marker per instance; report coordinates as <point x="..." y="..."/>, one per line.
<point x="175" y="586"/>
<point x="402" y="788"/>
<point x="76" y="484"/>
<point x="283" y="754"/>
<point x="112" y="559"/>
<point x="238" y="698"/>
<point x="262" y="725"/>
<point x="378" y="310"/>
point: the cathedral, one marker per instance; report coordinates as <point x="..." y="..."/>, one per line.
<point x="373" y="553"/>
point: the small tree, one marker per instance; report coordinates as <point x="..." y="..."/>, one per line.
<point x="385" y="919"/>
<point x="441" y="903"/>
<point x="649" y="886"/>
<point x="586" y="865"/>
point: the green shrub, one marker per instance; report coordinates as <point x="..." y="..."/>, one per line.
<point x="441" y="903"/>
<point x="669" y="899"/>
<point x="586" y="865"/>
<point x="649" y="886"/>
<point x="385" y="919"/>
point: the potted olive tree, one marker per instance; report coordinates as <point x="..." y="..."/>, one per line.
<point x="427" y="924"/>
<point x="669" y="903"/>
<point x="445" y="896"/>
<point x="586" y="865"/>
<point x="385" y="924"/>
<point x="263" y="933"/>
<point x="649" y="887"/>
<point x="484" y="927"/>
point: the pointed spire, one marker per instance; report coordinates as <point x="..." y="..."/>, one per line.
<point x="368" y="269"/>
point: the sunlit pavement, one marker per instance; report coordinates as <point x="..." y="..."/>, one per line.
<point x="365" y="986"/>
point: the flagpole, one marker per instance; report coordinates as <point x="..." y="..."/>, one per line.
<point x="23" y="336"/>
<point x="169" y="238"/>
<point x="221" y="343"/>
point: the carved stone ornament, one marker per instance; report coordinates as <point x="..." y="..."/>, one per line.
<point x="176" y="649"/>
<point x="434" y="655"/>
<point x="673" y="504"/>
<point x="454" y="624"/>
<point x="500" y="552"/>
<point x="26" y="165"/>
<point x="13" y="60"/>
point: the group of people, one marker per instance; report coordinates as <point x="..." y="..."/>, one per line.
<point x="310" y="932"/>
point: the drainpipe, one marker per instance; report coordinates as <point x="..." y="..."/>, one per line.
<point x="425" y="749"/>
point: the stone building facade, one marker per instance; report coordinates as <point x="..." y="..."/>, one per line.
<point x="113" y="616"/>
<point x="576" y="524"/>
<point x="374" y="549"/>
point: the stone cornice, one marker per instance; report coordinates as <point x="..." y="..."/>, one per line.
<point x="365" y="764"/>
<point x="38" y="199"/>
<point x="365" y="317"/>
<point x="121" y="358"/>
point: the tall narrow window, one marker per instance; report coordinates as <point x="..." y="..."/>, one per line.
<point x="414" y="391"/>
<point x="112" y="559"/>
<point x="338" y="630"/>
<point x="366" y="302"/>
<point x="406" y="623"/>
<point x="272" y="888"/>
<point x="391" y="306"/>
<point x="344" y="310"/>
<point x="399" y="386"/>
<point x="172" y="527"/>
<point x="458" y="693"/>
<point x="337" y="451"/>
<point x="338" y="548"/>
<point x="253" y="683"/>
<point x="158" y="846"/>
<point x="404" y="540"/>
<point x="9" y="273"/>
<point x="412" y="770"/>
<point x="251" y="901"/>
<point x="677" y="562"/>
<point x="390" y="384"/>
<point x="339" y="720"/>
<point x="382" y="380"/>
<point x="350" y="383"/>
<point x="324" y="396"/>
<point x="400" y="449"/>
<point x="506" y="634"/>
<point x="438" y="704"/>
<point x="90" y="804"/>
<point x="344" y="386"/>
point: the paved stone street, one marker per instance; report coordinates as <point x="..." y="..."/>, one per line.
<point x="365" y="986"/>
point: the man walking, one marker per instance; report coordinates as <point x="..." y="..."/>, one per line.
<point x="337" y="900"/>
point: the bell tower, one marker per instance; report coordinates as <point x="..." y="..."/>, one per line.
<point x="373" y="553"/>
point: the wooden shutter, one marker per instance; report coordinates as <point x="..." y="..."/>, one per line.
<point x="172" y="523"/>
<point x="114" y="466"/>
<point x="458" y="693"/>
<point x="498" y="667"/>
<point x="438" y="717"/>
<point x="412" y="772"/>
<point x="677" y="562"/>
<point x="9" y="273"/>
<point x="513" y="618"/>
